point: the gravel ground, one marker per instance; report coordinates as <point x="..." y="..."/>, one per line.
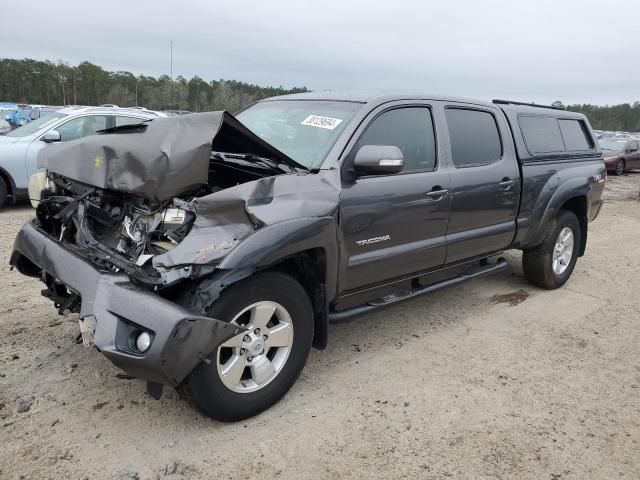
<point x="494" y="379"/>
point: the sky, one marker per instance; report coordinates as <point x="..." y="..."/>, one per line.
<point x="575" y="51"/>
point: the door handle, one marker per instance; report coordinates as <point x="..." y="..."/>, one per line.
<point x="506" y="184"/>
<point x="437" y="193"/>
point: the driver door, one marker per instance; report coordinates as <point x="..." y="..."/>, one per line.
<point x="391" y="224"/>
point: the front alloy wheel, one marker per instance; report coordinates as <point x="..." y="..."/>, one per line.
<point x="250" y="372"/>
<point x="249" y="361"/>
<point x="620" y="167"/>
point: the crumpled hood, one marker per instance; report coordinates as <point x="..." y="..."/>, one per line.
<point x="158" y="159"/>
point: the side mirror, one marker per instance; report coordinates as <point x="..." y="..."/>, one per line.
<point x="378" y="160"/>
<point x="52" y="136"/>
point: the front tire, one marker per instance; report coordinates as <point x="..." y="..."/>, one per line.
<point x="4" y="192"/>
<point x="550" y="264"/>
<point x="252" y="371"/>
<point x="620" y="167"/>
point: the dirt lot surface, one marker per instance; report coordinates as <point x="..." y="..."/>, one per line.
<point x="495" y="379"/>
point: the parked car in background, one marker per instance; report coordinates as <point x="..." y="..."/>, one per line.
<point x="7" y="110"/>
<point x="40" y="111"/>
<point x="20" y="116"/>
<point x="4" y="126"/>
<point x="19" y="147"/>
<point x="620" y="154"/>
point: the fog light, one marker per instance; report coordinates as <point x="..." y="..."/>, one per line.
<point x="143" y="342"/>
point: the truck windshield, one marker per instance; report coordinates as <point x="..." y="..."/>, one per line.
<point x="303" y="130"/>
<point x="32" y="127"/>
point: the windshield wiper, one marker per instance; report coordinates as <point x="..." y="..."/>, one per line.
<point x="266" y="162"/>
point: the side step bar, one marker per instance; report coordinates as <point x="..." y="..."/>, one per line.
<point x="335" y="317"/>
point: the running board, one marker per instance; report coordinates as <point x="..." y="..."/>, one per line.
<point x="335" y="317"/>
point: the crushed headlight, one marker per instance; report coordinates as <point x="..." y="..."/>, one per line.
<point x="38" y="183"/>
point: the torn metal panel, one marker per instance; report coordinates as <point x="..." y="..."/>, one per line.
<point x="158" y="160"/>
<point x="228" y="217"/>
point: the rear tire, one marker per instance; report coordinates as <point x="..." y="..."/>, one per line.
<point x="4" y="193"/>
<point x="226" y="398"/>
<point x="620" y="167"/>
<point x="550" y="264"/>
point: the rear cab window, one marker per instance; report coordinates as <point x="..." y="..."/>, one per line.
<point x="575" y="136"/>
<point x="544" y="135"/>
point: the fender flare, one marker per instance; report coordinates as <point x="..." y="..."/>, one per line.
<point x="572" y="188"/>
<point x="273" y="244"/>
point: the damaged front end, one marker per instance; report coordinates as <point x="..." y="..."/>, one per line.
<point x="117" y="232"/>
<point x="129" y="220"/>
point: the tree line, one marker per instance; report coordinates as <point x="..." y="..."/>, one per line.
<point x="45" y="82"/>
<point x="624" y="117"/>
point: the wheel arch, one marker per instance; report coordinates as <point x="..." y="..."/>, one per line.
<point x="578" y="205"/>
<point x="309" y="268"/>
<point x="304" y="248"/>
<point x="574" y="196"/>
<point x="11" y="185"/>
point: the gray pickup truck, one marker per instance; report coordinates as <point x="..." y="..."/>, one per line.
<point x="210" y="252"/>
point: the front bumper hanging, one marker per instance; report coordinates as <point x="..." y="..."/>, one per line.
<point x="180" y="339"/>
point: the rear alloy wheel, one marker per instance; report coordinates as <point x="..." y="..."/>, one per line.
<point x="550" y="264"/>
<point x="620" y="166"/>
<point x="4" y="192"/>
<point x="253" y="370"/>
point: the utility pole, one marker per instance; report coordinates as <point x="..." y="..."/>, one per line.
<point x="136" y="91"/>
<point x="171" y="75"/>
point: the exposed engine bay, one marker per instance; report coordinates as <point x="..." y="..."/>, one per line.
<point x="120" y="231"/>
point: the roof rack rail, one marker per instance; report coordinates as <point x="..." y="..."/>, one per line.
<point x="511" y="102"/>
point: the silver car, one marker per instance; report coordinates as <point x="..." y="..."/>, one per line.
<point x="19" y="148"/>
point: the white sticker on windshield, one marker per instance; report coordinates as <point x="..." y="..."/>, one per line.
<point x="321" y="122"/>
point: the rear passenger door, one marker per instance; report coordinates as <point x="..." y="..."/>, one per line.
<point x="485" y="182"/>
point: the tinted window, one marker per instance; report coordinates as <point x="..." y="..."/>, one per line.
<point x="474" y="137"/>
<point x="542" y="134"/>
<point x="411" y="130"/>
<point x="575" y="135"/>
